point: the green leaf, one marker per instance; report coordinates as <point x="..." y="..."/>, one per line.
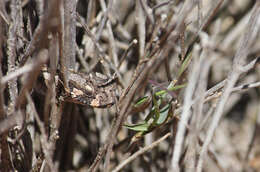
<point x="170" y="88"/>
<point x="174" y="88"/>
<point x="141" y="101"/>
<point x="138" y="127"/>
<point x="152" y="112"/>
<point x="160" y="93"/>
<point x="156" y="109"/>
<point x="141" y="104"/>
<point x="163" y="114"/>
<point x="184" y="65"/>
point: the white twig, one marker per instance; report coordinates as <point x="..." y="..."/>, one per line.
<point x="193" y="78"/>
<point x="233" y="76"/>
<point x="246" y="86"/>
<point x="16" y="73"/>
<point x="140" y="152"/>
<point x="140" y="19"/>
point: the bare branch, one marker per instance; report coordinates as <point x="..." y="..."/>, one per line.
<point x="239" y="60"/>
<point x="140" y="152"/>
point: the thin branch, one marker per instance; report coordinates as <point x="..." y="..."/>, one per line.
<point x="161" y="5"/>
<point x="198" y="114"/>
<point x="44" y="137"/>
<point x="140" y="152"/>
<point x="49" y="22"/>
<point x="101" y="55"/>
<point x="52" y="114"/>
<point x="18" y="72"/>
<point x="30" y="78"/>
<point x="4" y="156"/>
<point x="140" y="19"/>
<point x="99" y="51"/>
<point x="211" y="93"/>
<point x="69" y="33"/>
<point x="91" y="11"/>
<point x="81" y="59"/>
<point x="193" y="78"/>
<point x="12" y="43"/>
<point x="134" y="42"/>
<point x="239" y="59"/>
<point x="211" y="13"/>
<point x="147" y="11"/>
<point x="111" y="38"/>
<point x="246" y="86"/>
<point x="252" y="139"/>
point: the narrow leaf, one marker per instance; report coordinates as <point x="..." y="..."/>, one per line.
<point x="169" y="90"/>
<point x="156" y="108"/>
<point x="141" y="101"/>
<point x="163" y="114"/>
<point x="138" y="127"/>
<point x="184" y="65"/>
